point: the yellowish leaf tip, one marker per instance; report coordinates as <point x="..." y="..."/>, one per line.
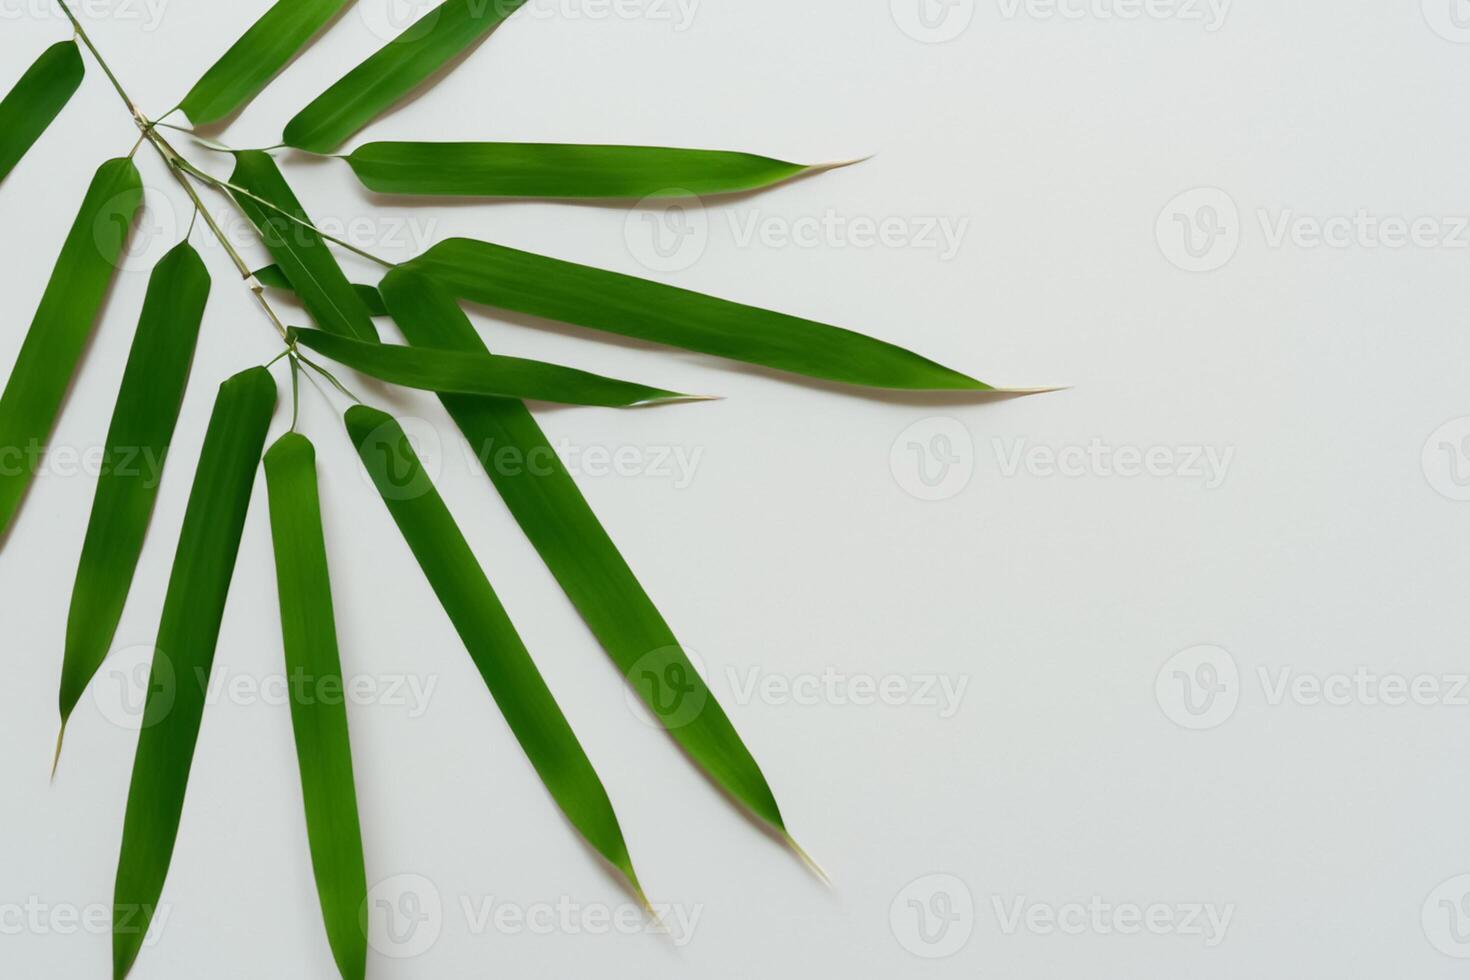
<point x="819" y="168"/>
<point x="807" y="860"/>
<point x="56" y="759"/>
<point x="1045" y="389"/>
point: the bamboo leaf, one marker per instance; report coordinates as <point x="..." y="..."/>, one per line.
<point x="323" y="752"/>
<point x="561" y="170"/>
<point x="132" y="464"/>
<point x="480" y="374"/>
<point x="257" y="57"/>
<point x="62" y="324"/>
<point x="430" y="44"/>
<point x="272" y="277"/>
<point x="557" y="290"/>
<point x="481" y="621"/>
<point x="36" y="100"/>
<point x="300" y="252"/>
<point x="559" y="522"/>
<point x="193" y="607"/>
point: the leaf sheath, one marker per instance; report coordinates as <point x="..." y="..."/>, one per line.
<point x="188" y="631"/>
<point x="300" y="252"/>
<point x="546" y="503"/>
<point x="132" y="464"/>
<point x="588" y="297"/>
<point x="319" y="719"/>
<point x="479" y="374"/>
<point x="399" y="67"/>
<point x="561" y="170"/>
<point x="63" y="322"/>
<point x="257" y="57"/>
<point x="487" y="632"/>
<point x="36" y="100"/>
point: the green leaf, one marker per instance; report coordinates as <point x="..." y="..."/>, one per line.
<point x="187" y="634"/>
<point x="556" y="290"/>
<point x="480" y="374"/>
<point x="64" y="321"/>
<point x="557" y="519"/>
<point x="299" y="251"/>
<point x="248" y="67"/>
<point x="272" y="277"/>
<point x="36" y="100"/>
<point x="318" y="716"/>
<point x="132" y="463"/>
<point x="399" y="67"/>
<point x="561" y="170"/>
<point x="493" y="643"/>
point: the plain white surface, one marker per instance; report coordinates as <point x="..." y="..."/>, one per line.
<point x="1078" y="783"/>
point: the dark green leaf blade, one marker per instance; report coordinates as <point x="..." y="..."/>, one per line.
<point x="561" y="170"/>
<point x="399" y="67"/>
<point x="545" y="501"/>
<point x="272" y="277"/>
<point x="64" y="321"/>
<point x="480" y="374"/>
<point x="323" y="751"/>
<point x="488" y="634"/>
<point x="138" y="438"/>
<point x="299" y="251"/>
<point x="187" y="634"/>
<point x="527" y="283"/>
<point x="257" y="57"/>
<point x="36" y="100"/>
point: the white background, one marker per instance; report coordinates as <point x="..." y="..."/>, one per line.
<point x="1072" y="770"/>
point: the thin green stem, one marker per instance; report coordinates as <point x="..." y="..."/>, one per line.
<point x="81" y="32"/>
<point x="328" y="375"/>
<point x="225" y="185"/>
<point x="295" y="392"/>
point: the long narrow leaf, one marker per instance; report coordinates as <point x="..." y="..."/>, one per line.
<point x="299" y="251"/>
<point x="260" y="53"/>
<point x="184" y="654"/>
<point x="588" y="297"/>
<point x="561" y="170"/>
<point x="323" y="752"/>
<point x="272" y="277"/>
<point x="36" y="100"/>
<point x="64" y="321"/>
<point x="480" y="374"/>
<point x="132" y="464"/>
<point x="493" y="643"/>
<point x="557" y="519"/>
<point x="434" y="41"/>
